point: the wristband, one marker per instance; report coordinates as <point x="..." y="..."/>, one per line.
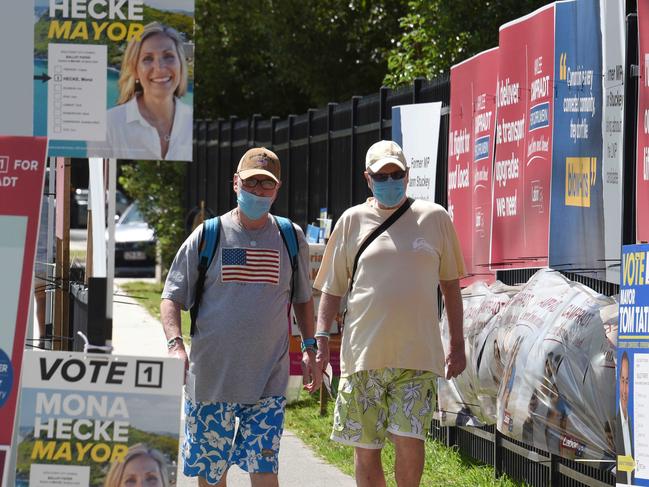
<point x="322" y="334"/>
<point x="171" y="343"/>
<point x="308" y="343"/>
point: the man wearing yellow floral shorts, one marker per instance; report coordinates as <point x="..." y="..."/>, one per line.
<point x="391" y="352"/>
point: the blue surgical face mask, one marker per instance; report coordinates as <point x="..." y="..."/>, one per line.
<point x="389" y="193"/>
<point x="253" y="206"/>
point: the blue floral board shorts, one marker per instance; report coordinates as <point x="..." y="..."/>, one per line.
<point x="213" y="442"/>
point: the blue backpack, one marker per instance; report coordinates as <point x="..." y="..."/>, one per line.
<point x="210" y="242"/>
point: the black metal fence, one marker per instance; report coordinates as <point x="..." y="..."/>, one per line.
<point x="322" y="154"/>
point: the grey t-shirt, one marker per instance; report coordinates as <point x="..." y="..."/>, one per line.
<point x="239" y="350"/>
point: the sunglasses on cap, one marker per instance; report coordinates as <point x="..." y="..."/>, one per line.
<point x="396" y="175"/>
<point x="264" y="183"/>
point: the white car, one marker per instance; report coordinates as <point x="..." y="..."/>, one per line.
<point x="135" y="244"/>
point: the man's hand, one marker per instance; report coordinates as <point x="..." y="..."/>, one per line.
<point x="322" y="355"/>
<point x="311" y="373"/>
<point x="179" y="352"/>
<point x="455" y="360"/>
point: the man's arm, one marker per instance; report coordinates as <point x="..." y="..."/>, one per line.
<point x="312" y="377"/>
<point x="327" y="311"/>
<point x="455" y="358"/>
<point x="170" y="316"/>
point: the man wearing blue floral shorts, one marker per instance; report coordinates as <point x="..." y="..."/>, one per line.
<point x="238" y="365"/>
<point x="391" y="352"/>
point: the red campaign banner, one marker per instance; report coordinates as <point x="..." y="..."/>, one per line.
<point x="642" y="161"/>
<point x="523" y="162"/>
<point x="470" y="154"/>
<point x="22" y="171"/>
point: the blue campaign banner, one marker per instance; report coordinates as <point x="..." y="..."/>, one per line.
<point x="577" y="210"/>
<point x="631" y="432"/>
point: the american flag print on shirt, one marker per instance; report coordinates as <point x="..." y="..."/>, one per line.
<point x="260" y="266"/>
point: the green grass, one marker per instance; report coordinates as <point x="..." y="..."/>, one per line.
<point x="444" y="466"/>
<point x="148" y="295"/>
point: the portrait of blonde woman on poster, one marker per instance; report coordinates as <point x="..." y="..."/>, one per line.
<point x="150" y="121"/>
<point x="141" y="466"/>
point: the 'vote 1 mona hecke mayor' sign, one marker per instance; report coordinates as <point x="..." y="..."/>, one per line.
<point x="114" y="78"/>
<point x="81" y="413"/>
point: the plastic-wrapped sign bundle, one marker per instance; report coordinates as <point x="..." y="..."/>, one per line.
<point x="470" y="399"/>
<point x="540" y="364"/>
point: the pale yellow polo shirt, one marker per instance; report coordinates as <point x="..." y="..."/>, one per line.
<point x="392" y="312"/>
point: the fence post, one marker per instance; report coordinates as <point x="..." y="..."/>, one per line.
<point x="555" y="475"/>
<point x="219" y="164"/>
<point x="309" y="134"/>
<point x="252" y="142"/>
<point x="232" y="164"/>
<point x="330" y="126"/>
<point x="289" y="173"/>
<point x="417" y="85"/>
<point x="498" y="454"/>
<point x="353" y="122"/>
<point x="383" y="106"/>
<point x="273" y="128"/>
<point x="631" y="80"/>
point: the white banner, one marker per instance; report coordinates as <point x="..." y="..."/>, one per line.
<point x="612" y="19"/>
<point x="416" y="129"/>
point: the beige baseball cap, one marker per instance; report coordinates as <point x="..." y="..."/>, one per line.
<point x="259" y="160"/>
<point x="382" y="153"/>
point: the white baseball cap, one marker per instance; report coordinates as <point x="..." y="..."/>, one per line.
<point x="382" y="153"/>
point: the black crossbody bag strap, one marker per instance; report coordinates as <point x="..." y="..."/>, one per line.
<point x="370" y="238"/>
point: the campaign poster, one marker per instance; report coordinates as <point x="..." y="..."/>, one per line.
<point x="81" y="413"/>
<point x="416" y="129"/>
<point x="632" y="391"/>
<point x="470" y="154"/>
<point x="115" y="79"/>
<point x="22" y="172"/>
<point x="522" y="167"/>
<point x="612" y="17"/>
<point x="577" y="216"/>
<point x="642" y="150"/>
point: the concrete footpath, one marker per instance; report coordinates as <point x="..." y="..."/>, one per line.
<point x="135" y="332"/>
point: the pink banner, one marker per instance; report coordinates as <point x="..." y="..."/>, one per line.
<point x="22" y="164"/>
<point x="470" y="154"/>
<point x="523" y="163"/>
<point x="642" y="161"/>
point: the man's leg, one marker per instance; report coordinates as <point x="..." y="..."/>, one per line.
<point x="409" y="461"/>
<point x="258" y="439"/>
<point x="368" y="468"/>
<point x="263" y="480"/>
<point x="203" y="483"/>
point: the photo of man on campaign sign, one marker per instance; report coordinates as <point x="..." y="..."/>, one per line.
<point x="114" y="78"/>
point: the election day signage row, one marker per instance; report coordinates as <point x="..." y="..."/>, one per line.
<point x="557" y="129"/>
<point x="98" y="91"/>
<point x="22" y="163"/>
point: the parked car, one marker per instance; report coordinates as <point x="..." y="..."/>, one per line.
<point x="79" y="207"/>
<point x="135" y="244"/>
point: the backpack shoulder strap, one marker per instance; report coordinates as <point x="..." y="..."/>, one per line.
<point x="289" y="236"/>
<point x="209" y="242"/>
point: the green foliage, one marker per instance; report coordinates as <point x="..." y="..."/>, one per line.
<point x="157" y="187"/>
<point x="437" y="34"/>
<point x="277" y="57"/>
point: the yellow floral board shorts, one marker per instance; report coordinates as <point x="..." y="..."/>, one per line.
<point x="372" y="403"/>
